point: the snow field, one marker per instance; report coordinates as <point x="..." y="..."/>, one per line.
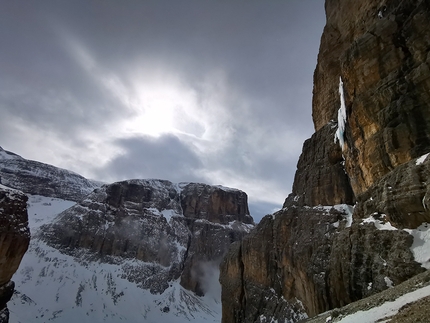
<point x="54" y="287"/>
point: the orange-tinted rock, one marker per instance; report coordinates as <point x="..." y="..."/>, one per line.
<point x="381" y="51"/>
<point x="305" y="260"/>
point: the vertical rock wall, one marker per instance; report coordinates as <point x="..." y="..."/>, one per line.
<point x="310" y="256"/>
<point x="14" y="240"/>
<point x="173" y="231"/>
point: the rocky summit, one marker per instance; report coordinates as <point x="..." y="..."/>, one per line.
<point x="37" y="178"/>
<point x="353" y="224"/>
<point x="174" y="230"/>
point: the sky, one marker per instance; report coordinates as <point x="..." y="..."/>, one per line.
<point x="210" y="91"/>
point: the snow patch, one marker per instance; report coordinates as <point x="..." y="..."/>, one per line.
<point x="345" y="209"/>
<point x="380" y="225"/>
<point x="387" y="309"/>
<point x="421" y="159"/>
<point x="42" y="210"/>
<point x="227" y="189"/>
<point x="389" y="282"/>
<point x="95" y="292"/>
<point x="10" y="190"/>
<point x="421" y="246"/>
<point x="168" y="214"/>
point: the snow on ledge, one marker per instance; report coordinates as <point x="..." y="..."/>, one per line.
<point x="421" y="246"/>
<point x="380" y="225"/>
<point x="11" y="191"/>
<point x="421" y="159"/>
<point x="345" y="209"/>
<point x="387" y="309"/>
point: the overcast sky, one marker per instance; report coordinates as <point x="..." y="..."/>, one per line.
<point x="211" y="91"/>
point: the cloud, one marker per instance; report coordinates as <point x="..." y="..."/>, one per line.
<point x="212" y="91"/>
<point x="164" y="157"/>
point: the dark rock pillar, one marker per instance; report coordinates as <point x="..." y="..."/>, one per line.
<point x="14" y="240"/>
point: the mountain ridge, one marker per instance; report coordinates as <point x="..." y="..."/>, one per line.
<point x="148" y="237"/>
<point x="38" y="178"/>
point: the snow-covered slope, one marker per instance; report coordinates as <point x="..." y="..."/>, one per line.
<point x="54" y="287"/>
<point x="33" y="177"/>
<point x="407" y="302"/>
<point x="137" y="250"/>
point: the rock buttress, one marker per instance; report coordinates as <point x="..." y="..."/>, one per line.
<point x="14" y="241"/>
<point x="313" y="258"/>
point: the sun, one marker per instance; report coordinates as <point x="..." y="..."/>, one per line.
<point x="162" y="108"/>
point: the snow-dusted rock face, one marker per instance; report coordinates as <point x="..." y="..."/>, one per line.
<point x="216" y="204"/>
<point x="144" y="220"/>
<point x="370" y="150"/>
<point x="14" y="240"/>
<point x="33" y="177"/>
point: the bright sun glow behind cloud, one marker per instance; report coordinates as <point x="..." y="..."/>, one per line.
<point x="209" y="116"/>
<point x="161" y="108"/>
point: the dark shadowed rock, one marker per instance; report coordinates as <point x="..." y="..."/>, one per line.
<point x="312" y="261"/>
<point x="14" y="240"/>
<point x="216" y="204"/>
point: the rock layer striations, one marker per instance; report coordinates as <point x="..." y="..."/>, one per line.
<point x="361" y="179"/>
<point x="157" y="230"/>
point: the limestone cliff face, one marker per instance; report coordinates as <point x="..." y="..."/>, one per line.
<point x="320" y="177"/>
<point x="370" y="163"/>
<point x="214" y="203"/>
<point x="380" y="49"/>
<point x="158" y="230"/>
<point x="14" y="240"/>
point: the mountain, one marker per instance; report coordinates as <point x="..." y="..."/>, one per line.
<point x="132" y="250"/>
<point x="355" y="223"/>
<point x="14" y="240"/>
<point x="37" y="178"/>
<point x="171" y="230"/>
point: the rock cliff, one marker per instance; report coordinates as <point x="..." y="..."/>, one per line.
<point x="176" y="231"/>
<point x="361" y="185"/>
<point x="14" y="240"/>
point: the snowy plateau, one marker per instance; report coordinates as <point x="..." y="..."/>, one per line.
<point x="54" y="287"/>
